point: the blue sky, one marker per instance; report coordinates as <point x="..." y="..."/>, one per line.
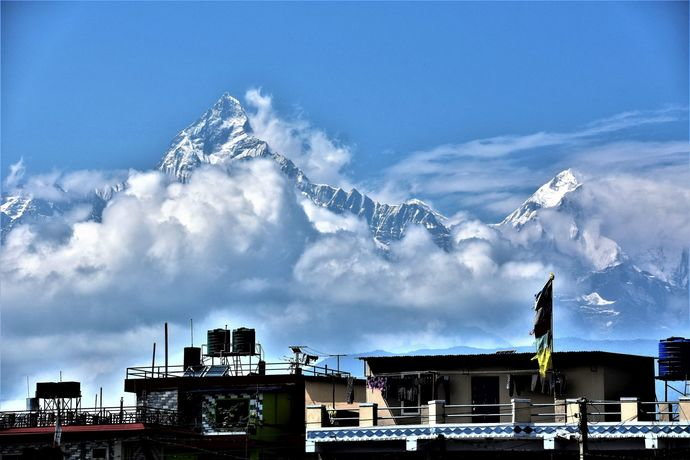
<point x="107" y="85"/>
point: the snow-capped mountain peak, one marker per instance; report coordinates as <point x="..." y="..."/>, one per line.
<point x="549" y="195"/>
<point x="552" y="193"/>
<point x="15" y="206"/>
<point x="221" y="133"/>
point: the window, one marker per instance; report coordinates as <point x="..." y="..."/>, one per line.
<point x="232" y="413"/>
<point x="100" y="453"/>
<point x="409" y="408"/>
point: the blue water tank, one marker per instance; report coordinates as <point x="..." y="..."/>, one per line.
<point x="674" y="359"/>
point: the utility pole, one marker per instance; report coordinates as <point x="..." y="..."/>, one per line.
<point x="582" y="427"/>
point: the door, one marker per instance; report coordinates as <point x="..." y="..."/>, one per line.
<point x="485" y="394"/>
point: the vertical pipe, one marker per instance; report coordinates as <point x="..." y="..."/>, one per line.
<point x="166" y="349"/>
<point x="153" y="360"/>
<point x="101" y="398"/>
<point x="191" y="330"/>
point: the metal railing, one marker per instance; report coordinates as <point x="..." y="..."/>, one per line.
<point x="518" y="411"/>
<point x="232" y="370"/>
<point x="399" y="415"/>
<point x="662" y="410"/>
<point x="96" y="416"/>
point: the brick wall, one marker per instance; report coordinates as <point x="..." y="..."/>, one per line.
<point x="160" y="399"/>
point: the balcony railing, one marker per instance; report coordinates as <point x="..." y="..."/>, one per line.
<point x="231" y="370"/>
<point x="96" y="416"/>
<point x="517" y="411"/>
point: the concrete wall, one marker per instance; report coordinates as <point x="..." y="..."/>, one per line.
<point x="321" y="392"/>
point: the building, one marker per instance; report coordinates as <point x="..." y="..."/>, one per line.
<point x="228" y="402"/>
<point x="486" y="379"/>
<point x="489" y="405"/>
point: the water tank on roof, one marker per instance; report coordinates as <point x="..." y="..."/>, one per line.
<point x="32" y="404"/>
<point x="217" y="342"/>
<point x="674" y="359"/>
<point x="192" y="357"/>
<point x="243" y="341"/>
<point x="58" y="390"/>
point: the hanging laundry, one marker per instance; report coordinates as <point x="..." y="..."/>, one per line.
<point x="535" y="382"/>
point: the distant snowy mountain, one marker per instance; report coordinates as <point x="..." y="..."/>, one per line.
<point x="549" y="195"/>
<point x="609" y="291"/>
<point x="21" y="207"/>
<point x="223" y="135"/>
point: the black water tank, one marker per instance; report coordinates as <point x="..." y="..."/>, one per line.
<point x="218" y="342"/>
<point x="243" y="341"/>
<point x="674" y="358"/>
<point x="32" y="404"/>
<point x="192" y="357"/>
<point x="262" y="367"/>
<point x="56" y="390"/>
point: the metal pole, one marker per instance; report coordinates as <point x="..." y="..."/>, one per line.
<point x="153" y="360"/>
<point x="553" y="313"/>
<point x="101" y="398"/>
<point x="166" y="349"/>
<point x="582" y="427"/>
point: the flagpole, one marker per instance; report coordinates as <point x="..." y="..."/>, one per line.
<point x="553" y="312"/>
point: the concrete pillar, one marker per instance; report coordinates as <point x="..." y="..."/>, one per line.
<point x="559" y="410"/>
<point x="316" y="416"/>
<point x="668" y="408"/>
<point x="437" y="412"/>
<point x="411" y="444"/>
<point x="572" y="411"/>
<point x="684" y="409"/>
<point x="522" y="410"/>
<point x="368" y="414"/>
<point x="630" y="409"/>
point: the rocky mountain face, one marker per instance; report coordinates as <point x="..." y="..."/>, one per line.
<point x="609" y="290"/>
<point x="223" y="135"/>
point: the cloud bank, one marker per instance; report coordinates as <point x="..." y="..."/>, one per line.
<point x="239" y="248"/>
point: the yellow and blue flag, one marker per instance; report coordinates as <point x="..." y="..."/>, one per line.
<point x="543" y="325"/>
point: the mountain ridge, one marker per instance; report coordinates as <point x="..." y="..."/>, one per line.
<point x="223" y="135"/>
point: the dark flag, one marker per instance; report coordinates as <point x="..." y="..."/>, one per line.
<point x="543" y="324"/>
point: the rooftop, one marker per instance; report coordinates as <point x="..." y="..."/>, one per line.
<point x="515" y="360"/>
